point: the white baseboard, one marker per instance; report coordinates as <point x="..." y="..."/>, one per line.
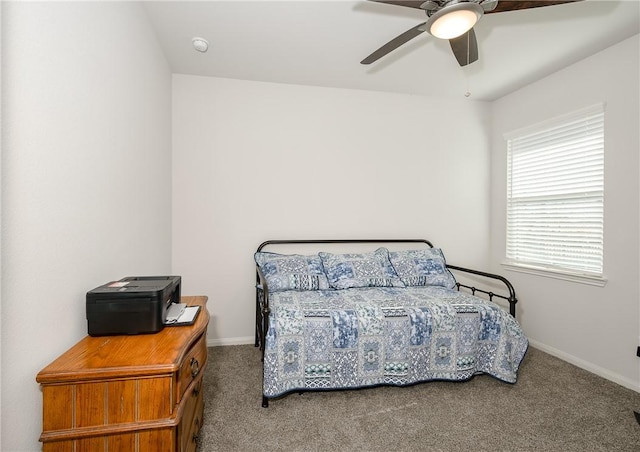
<point x="231" y="341"/>
<point x="600" y="371"/>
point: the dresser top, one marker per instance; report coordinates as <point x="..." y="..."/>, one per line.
<point x="107" y="357"/>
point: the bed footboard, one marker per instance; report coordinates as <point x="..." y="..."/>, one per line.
<point x="511" y="298"/>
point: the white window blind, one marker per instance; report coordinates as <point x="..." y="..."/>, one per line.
<point x="555" y="193"/>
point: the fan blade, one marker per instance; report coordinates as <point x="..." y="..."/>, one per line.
<point x="465" y="48"/>
<point x="407" y="3"/>
<point x="514" y="5"/>
<point x="503" y="5"/>
<point x="394" y="44"/>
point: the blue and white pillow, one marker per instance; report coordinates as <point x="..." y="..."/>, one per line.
<point x="292" y="271"/>
<point x="373" y="269"/>
<point x="425" y="267"/>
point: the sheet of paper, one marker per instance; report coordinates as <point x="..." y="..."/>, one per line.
<point x="188" y="315"/>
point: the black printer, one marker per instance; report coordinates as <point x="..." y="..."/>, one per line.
<point x="131" y="305"/>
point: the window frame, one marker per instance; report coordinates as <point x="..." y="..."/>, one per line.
<point x="548" y="269"/>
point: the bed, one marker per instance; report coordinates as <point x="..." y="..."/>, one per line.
<point x="332" y="320"/>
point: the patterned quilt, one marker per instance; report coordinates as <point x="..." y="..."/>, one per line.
<point x="386" y="336"/>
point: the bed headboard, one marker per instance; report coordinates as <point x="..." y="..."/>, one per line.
<point x="337" y="241"/>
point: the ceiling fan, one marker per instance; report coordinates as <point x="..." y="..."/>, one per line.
<point x="454" y="20"/>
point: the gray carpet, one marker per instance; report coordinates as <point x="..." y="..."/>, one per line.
<point x="554" y="406"/>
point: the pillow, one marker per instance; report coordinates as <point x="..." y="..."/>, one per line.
<point x="360" y="270"/>
<point x="291" y="272"/>
<point x="425" y="267"/>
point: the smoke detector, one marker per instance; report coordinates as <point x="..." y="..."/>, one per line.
<point x="200" y="44"/>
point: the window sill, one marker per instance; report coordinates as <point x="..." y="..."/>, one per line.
<point x="592" y="280"/>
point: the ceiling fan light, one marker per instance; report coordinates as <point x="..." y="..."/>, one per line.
<point x="455" y="20"/>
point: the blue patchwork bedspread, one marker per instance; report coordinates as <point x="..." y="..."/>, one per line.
<point x="386" y="336"/>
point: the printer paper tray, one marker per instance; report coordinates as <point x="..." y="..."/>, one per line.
<point x="187" y="318"/>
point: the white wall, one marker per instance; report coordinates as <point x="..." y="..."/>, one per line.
<point x="86" y="180"/>
<point x="255" y="161"/>
<point x="595" y="328"/>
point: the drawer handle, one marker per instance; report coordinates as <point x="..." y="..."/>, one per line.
<point x="195" y="436"/>
<point x="195" y="367"/>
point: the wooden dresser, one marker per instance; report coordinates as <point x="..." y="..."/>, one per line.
<point x="128" y="393"/>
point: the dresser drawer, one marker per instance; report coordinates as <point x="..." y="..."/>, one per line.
<point x="192" y="418"/>
<point x="192" y="366"/>
<point x="196" y="425"/>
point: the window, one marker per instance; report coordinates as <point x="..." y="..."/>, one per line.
<point x="555" y="195"/>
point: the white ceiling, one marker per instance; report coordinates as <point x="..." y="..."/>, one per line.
<point x="321" y="43"/>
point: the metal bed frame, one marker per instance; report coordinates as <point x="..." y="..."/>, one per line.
<point x="262" y="290"/>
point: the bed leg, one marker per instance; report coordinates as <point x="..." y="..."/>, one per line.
<point x="265" y="402"/>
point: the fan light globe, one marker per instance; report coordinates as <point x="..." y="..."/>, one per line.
<point x="455" y="20"/>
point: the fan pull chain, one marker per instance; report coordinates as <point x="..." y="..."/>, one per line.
<point x="467" y="92"/>
<point x="466" y="77"/>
